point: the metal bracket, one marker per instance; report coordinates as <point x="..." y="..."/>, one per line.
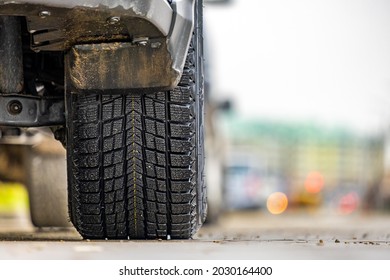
<point x="153" y="32"/>
<point x="31" y="111"/>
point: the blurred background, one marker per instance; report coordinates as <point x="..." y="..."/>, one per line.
<point x="301" y="91"/>
<point x="297" y="119"/>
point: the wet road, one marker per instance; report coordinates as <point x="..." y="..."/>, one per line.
<point x="243" y="235"/>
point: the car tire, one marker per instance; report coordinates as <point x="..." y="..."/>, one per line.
<point x="46" y="183"/>
<point x="136" y="161"/>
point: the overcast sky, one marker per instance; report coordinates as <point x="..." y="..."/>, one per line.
<point x="327" y="61"/>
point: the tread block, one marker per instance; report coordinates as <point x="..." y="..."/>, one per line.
<point x="182" y="197"/>
<point x="89" y="186"/>
<point x="90" y="209"/>
<point x="181" y="208"/>
<point x="182" y="146"/>
<point x="181" y="219"/>
<point x="184" y="186"/>
<point x="155" y="143"/>
<point x="181" y="95"/>
<point x="89" y="174"/>
<point x="90" y="160"/>
<point x="87" y="114"/>
<point x="87" y="131"/>
<point x="181" y="173"/>
<point x="181" y="113"/>
<point x="112" y="143"/>
<point x="182" y="130"/>
<point x="90" y="198"/>
<point x="182" y="160"/>
<point x="113" y="127"/>
<point x="87" y="146"/>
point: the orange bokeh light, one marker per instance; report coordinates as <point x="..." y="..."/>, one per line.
<point x="277" y="203"/>
<point x="314" y="182"/>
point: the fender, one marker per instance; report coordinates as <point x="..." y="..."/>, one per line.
<point x="132" y="45"/>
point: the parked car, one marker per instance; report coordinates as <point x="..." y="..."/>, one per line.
<point x="249" y="183"/>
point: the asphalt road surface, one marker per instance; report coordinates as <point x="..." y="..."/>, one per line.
<point x="238" y="235"/>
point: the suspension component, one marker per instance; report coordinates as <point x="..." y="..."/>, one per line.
<point x="11" y="55"/>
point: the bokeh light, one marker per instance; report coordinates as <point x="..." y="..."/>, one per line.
<point x="277" y="203"/>
<point x="314" y="182"/>
<point x="348" y="203"/>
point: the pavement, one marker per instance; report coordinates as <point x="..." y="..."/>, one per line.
<point x="294" y="235"/>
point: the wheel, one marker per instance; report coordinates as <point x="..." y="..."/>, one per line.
<point x="38" y="161"/>
<point x="45" y="170"/>
<point x="136" y="161"/>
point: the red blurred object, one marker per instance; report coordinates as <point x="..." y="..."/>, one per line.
<point x="348" y="203"/>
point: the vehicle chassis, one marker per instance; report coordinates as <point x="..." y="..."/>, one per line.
<point x="115" y="45"/>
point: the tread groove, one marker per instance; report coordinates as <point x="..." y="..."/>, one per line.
<point x="101" y="169"/>
<point x="167" y="165"/>
<point x="134" y="166"/>
<point x="144" y="189"/>
<point x="124" y="144"/>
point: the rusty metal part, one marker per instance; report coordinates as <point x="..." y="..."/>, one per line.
<point x="57" y="25"/>
<point x="11" y="57"/>
<point x="29" y="111"/>
<point x="115" y="66"/>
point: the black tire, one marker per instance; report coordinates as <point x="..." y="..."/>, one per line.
<point x="46" y="183"/>
<point x="136" y="161"/>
